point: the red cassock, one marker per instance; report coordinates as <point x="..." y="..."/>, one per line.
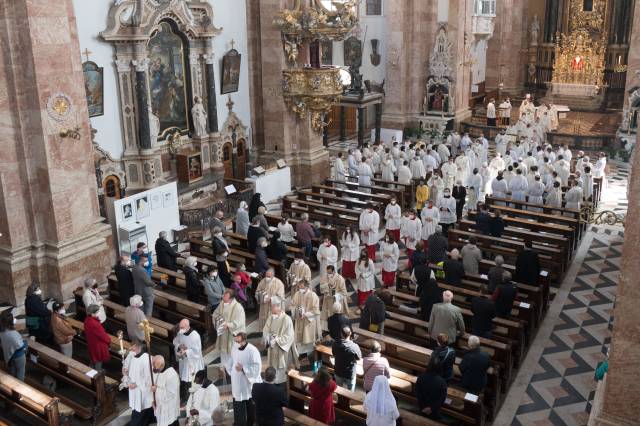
<point x="97" y="340"/>
<point x="321" y="406"/>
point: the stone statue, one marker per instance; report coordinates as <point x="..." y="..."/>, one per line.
<point x="535" y="30"/>
<point x="154" y="127"/>
<point x="199" y="116"/>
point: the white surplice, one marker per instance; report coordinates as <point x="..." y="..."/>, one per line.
<point x="205" y="400"/>
<point x="192" y="362"/>
<point x="167" y="409"/>
<point x="140" y="398"/>
<point x="242" y="381"/>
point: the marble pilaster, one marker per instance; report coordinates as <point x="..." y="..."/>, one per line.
<point x="49" y="216"/>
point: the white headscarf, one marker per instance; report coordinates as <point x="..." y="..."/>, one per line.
<point x="380" y="400"/>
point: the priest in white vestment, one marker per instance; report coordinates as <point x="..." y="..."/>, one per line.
<point x="327" y="255"/>
<point x="268" y="287"/>
<point x="243" y="366"/>
<point x="404" y="174"/>
<point x="449" y="173"/>
<point x="573" y="197"/>
<point x="229" y="319"/>
<point x="518" y="186"/>
<point x="388" y="168"/>
<point x="188" y="349"/>
<point x="462" y="168"/>
<point x="430" y="217"/>
<point x="305" y="309"/>
<point x="334" y="290"/>
<point x="204" y="400"/>
<point x="167" y="391"/>
<point x="299" y="270"/>
<point x="499" y="186"/>
<point x="535" y="193"/>
<point x="338" y="169"/>
<point x="554" y="196"/>
<point x="278" y="336"/>
<point x="138" y="373"/>
<point x="364" y="176"/>
<point x="417" y="168"/>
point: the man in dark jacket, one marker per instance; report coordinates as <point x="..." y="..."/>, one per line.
<point x="474" y="366"/>
<point x="431" y="390"/>
<point x="262" y="261"/>
<point x="337" y="321"/>
<point x="428" y="291"/>
<point x="374" y="312"/>
<point x="165" y="254"/>
<point x="482" y="219"/>
<point x="504" y="296"/>
<point x="484" y="311"/>
<point x="255" y="232"/>
<point x="346" y="354"/>
<point x="277" y="250"/>
<point x="269" y="400"/>
<point x="460" y="194"/>
<point x="496" y="224"/>
<point x="495" y="274"/>
<point x="527" y="265"/>
<point x="453" y="269"/>
<point x="437" y="246"/>
<point x="125" y="279"/>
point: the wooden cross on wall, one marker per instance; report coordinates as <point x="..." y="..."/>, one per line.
<point x="233" y="43"/>
<point x="86" y="53"/>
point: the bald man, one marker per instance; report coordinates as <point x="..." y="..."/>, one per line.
<point x="167" y="392"/>
<point x="188" y="350"/>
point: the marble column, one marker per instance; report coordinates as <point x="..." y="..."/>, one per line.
<point x="361" y="117"/>
<point x="50" y="227"/>
<point x="459" y="24"/>
<point x="279" y="133"/>
<point x="633" y="58"/>
<point x="144" y="133"/>
<point x="506" y="56"/>
<point x="343" y="130"/>
<point x="212" y="107"/>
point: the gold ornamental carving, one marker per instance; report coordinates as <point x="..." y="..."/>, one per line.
<point x="580" y="54"/>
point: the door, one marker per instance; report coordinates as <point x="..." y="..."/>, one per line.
<point x="111" y="187"/>
<point x="242" y="159"/>
<point x="227" y="160"/>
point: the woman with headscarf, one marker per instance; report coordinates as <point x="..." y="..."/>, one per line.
<point x="242" y="219"/>
<point x="254" y="205"/>
<point x="380" y="405"/>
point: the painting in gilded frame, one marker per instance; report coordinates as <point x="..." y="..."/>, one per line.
<point x="94" y="88"/>
<point x="167" y="78"/>
<point x="231" y="72"/>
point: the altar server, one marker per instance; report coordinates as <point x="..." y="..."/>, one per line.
<point x="278" y="335"/>
<point x="369" y="225"/>
<point x="138" y="373"/>
<point x="327" y="255"/>
<point x="229" y="319"/>
<point x="410" y="233"/>
<point x="268" y="287"/>
<point x="535" y="192"/>
<point x="393" y="217"/>
<point x="449" y="172"/>
<point x="364" y="175"/>
<point x="243" y="366"/>
<point x="188" y="349"/>
<point x="518" y="186"/>
<point x="349" y="252"/>
<point x="203" y="401"/>
<point x="338" y="168"/>
<point x="430" y="216"/>
<point x="390" y="255"/>
<point x="167" y="392"/>
<point x="366" y="278"/>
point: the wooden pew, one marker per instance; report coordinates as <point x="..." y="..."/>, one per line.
<point x="85" y="380"/>
<point x="399" y="193"/>
<point x="32" y="403"/>
<point x="114" y="347"/>
<point x="172" y="308"/>
<point x="338" y="216"/>
<point x="348" y="193"/>
<point x="242" y="242"/>
<point x="348" y="405"/>
<point x="465" y="407"/>
<point x="292" y="417"/>
<point x="408" y="189"/>
<point x="505" y="330"/>
<point x="551" y="259"/>
<point x="325" y="229"/>
<point x="573" y="213"/>
<point x="163" y="332"/>
<point x="521" y="234"/>
<point x="415" y="358"/>
<point x="334" y="200"/>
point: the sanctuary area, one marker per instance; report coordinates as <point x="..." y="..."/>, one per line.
<point x="319" y="212"/>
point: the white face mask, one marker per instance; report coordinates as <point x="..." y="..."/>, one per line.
<point x="268" y="278"/>
<point x="219" y="235"/>
<point x="303" y="290"/>
<point x="274" y="316"/>
<point x="38" y="292"/>
<point x="14" y="321"/>
<point x="182" y="331"/>
<point x="129" y="264"/>
<point x="62" y="311"/>
<point x="146" y="264"/>
<point x="145" y="250"/>
<point x="214" y="275"/>
<point x="298" y="261"/>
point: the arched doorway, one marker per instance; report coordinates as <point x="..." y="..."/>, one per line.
<point x="111" y="187"/>
<point x="227" y="160"/>
<point x="242" y="159"/>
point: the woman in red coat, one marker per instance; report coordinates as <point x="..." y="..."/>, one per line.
<point x="97" y="339"/>
<point x="321" y="391"/>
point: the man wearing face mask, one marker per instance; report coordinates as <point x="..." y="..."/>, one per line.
<point x="262" y="260"/>
<point x="268" y="287"/>
<point x="63" y="332"/>
<point x="143" y="284"/>
<point x="334" y="290"/>
<point x="188" y="349"/>
<point x="125" y="279"/>
<point x="229" y="319"/>
<point x="447" y="210"/>
<point x="190" y="270"/>
<point x="143" y="250"/>
<point x="410" y="233"/>
<point x="213" y="287"/>
<point x="393" y="218"/>
<point x="204" y="400"/>
<point x="166" y="254"/>
<point x="167" y="392"/>
<point x="299" y="270"/>
<point x="91" y="296"/>
<point x="136" y="369"/>
<point x="369" y="226"/>
<point x="327" y="255"/>
<point x="244" y="366"/>
<point x="305" y="309"/>
<point x="278" y="336"/>
<point x="133" y="316"/>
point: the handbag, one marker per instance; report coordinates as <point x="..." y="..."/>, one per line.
<point x="373" y="327"/>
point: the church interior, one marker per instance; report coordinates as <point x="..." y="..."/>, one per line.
<point x="310" y="212"/>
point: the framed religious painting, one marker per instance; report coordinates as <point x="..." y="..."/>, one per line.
<point x="230" y="72"/>
<point x="168" y="78"/>
<point x="326" y="52"/>
<point x="94" y="88"/>
<point x="352" y="52"/>
<point x="189" y="166"/>
<point x="143" y="208"/>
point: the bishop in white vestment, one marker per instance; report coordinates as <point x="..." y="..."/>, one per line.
<point x="334" y="290"/>
<point x="305" y="309"/>
<point x="278" y="335"/>
<point x="268" y="288"/>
